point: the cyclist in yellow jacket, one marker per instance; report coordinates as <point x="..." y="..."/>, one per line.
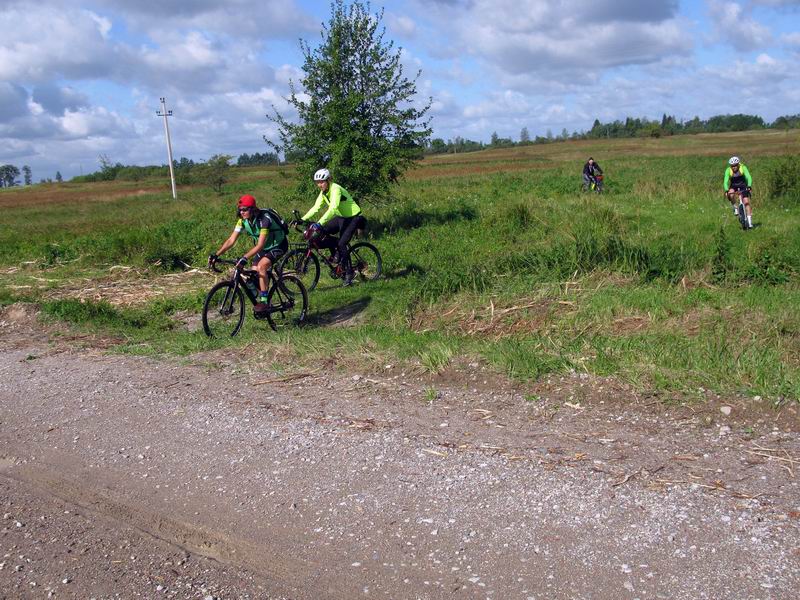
<point x="737" y="180"/>
<point x="342" y="217"/>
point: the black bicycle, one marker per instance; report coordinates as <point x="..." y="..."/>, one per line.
<point x="223" y="309"/>
<point x="740" y="208"/>
<point x="305" y="259"/>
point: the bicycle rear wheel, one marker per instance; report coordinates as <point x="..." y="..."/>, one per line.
<point x="366" y="261"/>
<point x="288" y="302"/>
<point x="302" y="264"/>
<point x="223" y="310"/>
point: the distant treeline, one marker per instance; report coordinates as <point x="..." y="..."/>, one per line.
<point x="629" y="128"/>
<point x="187" y="171"/>
<point x="9" y="176"/>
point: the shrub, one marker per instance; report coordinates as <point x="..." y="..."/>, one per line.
<point x="783" y="179"/>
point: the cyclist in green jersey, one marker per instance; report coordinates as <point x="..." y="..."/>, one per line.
<point x="342" y="217"/>
<point x="267" y="235"/>
<point x="738" y="181"/>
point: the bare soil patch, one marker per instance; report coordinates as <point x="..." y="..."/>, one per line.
<point x="120" y="286"/>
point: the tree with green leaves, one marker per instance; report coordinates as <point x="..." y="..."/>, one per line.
<point x="524" y="136"/>
<point x="8" y="176"/>
<point x="215" y="171"/>
<point x="59" y="178"/>
<point x="357" y="114"/>
<point x="26" y="173"/>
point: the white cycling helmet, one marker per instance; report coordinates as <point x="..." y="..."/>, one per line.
<point x="322" y="175"/>
<point x="734" y="160"/>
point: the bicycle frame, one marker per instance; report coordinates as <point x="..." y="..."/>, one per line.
<point x="741" y="208"/>
<point x="312" y="246"/>
<point x="224" y="312"/>
<point x="240" y="279"/>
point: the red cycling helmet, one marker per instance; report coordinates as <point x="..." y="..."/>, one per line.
<point x="247" y="201"/>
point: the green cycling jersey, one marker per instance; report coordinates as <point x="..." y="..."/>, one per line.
<point x="262" y="223"/>
<point x="737" y="180"/>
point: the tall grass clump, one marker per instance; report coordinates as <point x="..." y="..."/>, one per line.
<point x="721" y="259"/>
<point x="782" y="179"/>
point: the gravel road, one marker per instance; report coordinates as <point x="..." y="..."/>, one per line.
<point x="210" y="478"/>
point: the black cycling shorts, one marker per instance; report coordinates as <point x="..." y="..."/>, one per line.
<point x="273" y="255"/>
<point x="745" y="193"/>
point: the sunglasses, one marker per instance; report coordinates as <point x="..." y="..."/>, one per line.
<point x="244" y="209"/>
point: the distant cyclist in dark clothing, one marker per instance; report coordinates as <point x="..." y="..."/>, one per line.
<point x="590" y="172"/>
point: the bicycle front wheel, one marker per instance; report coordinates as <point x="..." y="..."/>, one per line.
<point x="287" y="302"/>
<point x="366" y="261"/>
<point x="223" y="310"/>
<point x="303" y="265"/>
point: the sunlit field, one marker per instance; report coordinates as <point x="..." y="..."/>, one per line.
<point x="493" y="256"/>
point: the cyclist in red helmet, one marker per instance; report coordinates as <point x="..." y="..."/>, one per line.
<point x="267" y="235"/>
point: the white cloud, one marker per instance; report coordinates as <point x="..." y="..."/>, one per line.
<point x="56" y="100"/>
<point x="791" y="39"/>
<point x="72" y="47"/>
<point x="521" y="41"/>
<point x="96" y="122"/>
<point x="103" y="24"/>
<point x="733" y="25"/>
<point x="237" y="18"/>
<point x="401" y="25"/>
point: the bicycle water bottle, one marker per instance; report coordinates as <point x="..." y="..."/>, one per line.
<point x="251" y="286"/>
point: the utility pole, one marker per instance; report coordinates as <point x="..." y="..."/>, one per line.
<point x="168" y="113"/>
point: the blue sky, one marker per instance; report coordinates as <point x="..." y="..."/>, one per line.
<point x="82" y="78"/>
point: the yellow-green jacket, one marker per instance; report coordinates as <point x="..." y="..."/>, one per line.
<point x="737" y="180"/>
<point x="338" y="201"/>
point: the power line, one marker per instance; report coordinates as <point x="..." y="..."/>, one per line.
<point x="168" y="113"/>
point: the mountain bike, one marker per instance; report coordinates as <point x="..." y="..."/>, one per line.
<point x="305" y="259"/>
<point x="741" y="212"/>
<point x="223" y="309"/>
<point x="594" y="184"/>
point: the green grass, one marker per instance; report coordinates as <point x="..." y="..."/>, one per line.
<point x="652" y="282"/>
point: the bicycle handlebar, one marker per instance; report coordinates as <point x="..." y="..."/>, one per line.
<point x="223" y="261"/>
<point x="298" y="222"/>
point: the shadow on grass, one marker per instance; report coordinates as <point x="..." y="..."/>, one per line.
<point x="410" y="269"/>
<point x="341" y="315"/>
<point x="410" y="217"/>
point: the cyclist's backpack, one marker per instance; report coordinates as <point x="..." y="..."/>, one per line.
<point x="278" y="219"/>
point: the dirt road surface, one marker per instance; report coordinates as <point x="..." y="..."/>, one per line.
<point x="216" y="478"/>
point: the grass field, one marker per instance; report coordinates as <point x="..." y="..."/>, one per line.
<point x="495" y="255"/>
